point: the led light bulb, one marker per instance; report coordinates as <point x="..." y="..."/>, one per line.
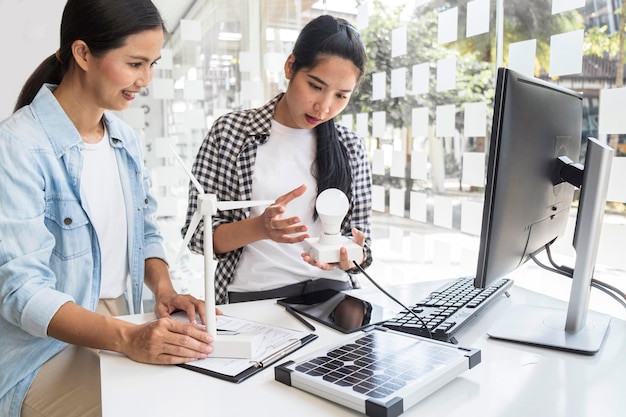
<point x="332" y="206"/>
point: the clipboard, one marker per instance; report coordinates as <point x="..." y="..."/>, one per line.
<point x="276" y="343"/>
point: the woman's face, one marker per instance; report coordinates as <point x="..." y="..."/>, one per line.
<point x="121" y="73"/>
<point x="318" y="94"/>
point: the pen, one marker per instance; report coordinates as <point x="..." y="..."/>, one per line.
<point x="300" y="318"/>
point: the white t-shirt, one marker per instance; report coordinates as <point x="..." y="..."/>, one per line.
<point x="283" y="163"/>
<point x="101" y="191"/>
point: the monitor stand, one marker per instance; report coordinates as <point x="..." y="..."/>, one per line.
<point x="545" y="326"/>
<point x="579" y="330"/>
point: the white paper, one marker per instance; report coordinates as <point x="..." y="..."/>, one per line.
<point x="193" y="90"/>
<point x="473" y="169"/>
<point x="274" y="62"/>
<point x="566" y="53"/>
<point x="398" y="82"/>
<point x="396" y="202"/>
<point x="362" y="125"/>
<point x="617" y="181"/>
<point x="559" y="6"/>
<point x="378" y="198"/>
<point x="522" y="56"/>
<point x="347" y="120"/>
<point x="379" y="85"/>
<point x="477" y="18"/>
<point x="611" y="111"/>
<point x="447" y="25"/>
<point x="421" y="78"/>
<point x="166" y="61"/>
<point x="379" y="124"/>
<point x="162" y="88"/>
<point x="378" y="162"/>
<point x="398" y="41"/>
<point x="471" y="217"/>
<point x="419" y="165"/>
<point x="195" y="119"/>
<point x="249" y="62"/>
<point x="134" y="116"/>
<point x="418" y="207"/>
<point x="475" y="119"/>
<point x="446" y="74"/>
<point x="419" y="122"/>
<point x="396" y="239"/>
<point x="443" y="212"/>
<point x="445" y="123"/>
<point x="398" y="164"/>
<point x="252" y="91"/>
<point x="362" y="17"/>
<point x="190" y="30"/>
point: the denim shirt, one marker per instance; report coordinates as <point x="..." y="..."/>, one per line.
<point x="49" y="252"/>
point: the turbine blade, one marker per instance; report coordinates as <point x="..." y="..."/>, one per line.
<point x="230" y="205"/>
<point x="193" y="225"/>
<point x="188" y="172"/>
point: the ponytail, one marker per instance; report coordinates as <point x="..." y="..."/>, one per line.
<point x="49" y="71"/>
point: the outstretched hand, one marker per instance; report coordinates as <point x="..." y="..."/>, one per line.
<point x="344" y="263"/>
<point x="284" y="230"/>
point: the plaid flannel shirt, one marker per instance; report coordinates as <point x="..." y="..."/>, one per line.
<point x="224" y="166"/>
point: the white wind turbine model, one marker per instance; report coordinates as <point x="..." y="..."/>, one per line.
<point x="232" y="346"/>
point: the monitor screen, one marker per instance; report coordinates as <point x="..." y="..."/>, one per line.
<point x="525" y="206"/>
<point x="532" y="173"/>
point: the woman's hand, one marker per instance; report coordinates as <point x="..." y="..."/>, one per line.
<point x="284" y="230"/>
<point x="193" y="307"/>
<point x="168" y="341"/>
<point x="344" y="263"/>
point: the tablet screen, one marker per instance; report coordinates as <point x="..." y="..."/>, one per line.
<point x="338" y="310"/>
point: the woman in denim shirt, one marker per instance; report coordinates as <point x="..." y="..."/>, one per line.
<point x="77" y="220"/>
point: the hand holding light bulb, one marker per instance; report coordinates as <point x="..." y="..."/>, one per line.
<point x="332" y="206"/>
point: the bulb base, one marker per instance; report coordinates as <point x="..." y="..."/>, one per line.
<point x="326" y="248"/>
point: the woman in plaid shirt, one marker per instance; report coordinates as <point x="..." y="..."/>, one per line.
<point x="288" y="150"/>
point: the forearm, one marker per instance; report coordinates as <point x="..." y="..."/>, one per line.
<point x="230" y="236"/>
<point x="78" y="326"/>
<point x="157" y="279"/>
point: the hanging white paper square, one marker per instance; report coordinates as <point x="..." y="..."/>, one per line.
<point x="566" y="53"/>
<point x="419" y="165"/>
<point x="379" y="86"/>
<point x="362" y="16"/>
<point x="166" y="60"/>
<point x="617" y="181"/>
<point x="398" y="42"/>
<point x="398" y="164"/>
<point x="347" y="120"/>
<point x="421" y="78"/>
<point x="611" y="111"/>
<point x="378" y="162"/>
<point x="398" y="82"/>
<point x="445" y="125"/>
<point x="419" y="122"/>
<point x="559" y="6"/>
<point x="396" y="202"/>
<point x="379" y="124"/>
<point x="190" y="30"/>
<point x="477" y="18"/>
<point x="249" y="62"/>
<point x="252" y="91"/>
<point x="475" y="119"/>
<point x="443" y="212"/>
<point x="471" y="217"/>
<point x="193" y="90"/>
<point x="418" y="207"/>
<point x="447" y="25"/>
<point x="362" y="125"/>
<point x="195" y="119"/>
<point x="446" y="74"/>
<point x="378" y="198"/>
<point x="473" y="169"/>
<point x="522" y="56"/>
<point x="162" y="88"/>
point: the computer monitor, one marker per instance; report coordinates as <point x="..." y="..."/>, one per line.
<point x="532" y="173"/>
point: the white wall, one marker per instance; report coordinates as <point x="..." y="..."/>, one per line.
<point x="29" y="32"/>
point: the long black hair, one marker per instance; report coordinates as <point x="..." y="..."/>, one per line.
<point x="102" y="24"/>
<point x="323" y="37"/>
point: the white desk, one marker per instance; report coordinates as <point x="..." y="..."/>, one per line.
<point x="512" y="379"/>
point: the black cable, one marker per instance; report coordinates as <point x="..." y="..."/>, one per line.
<point x="430" y="335"/>
<point x="599" y="285"/>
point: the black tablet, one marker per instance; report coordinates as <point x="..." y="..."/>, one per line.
<point x="338" y="310"/>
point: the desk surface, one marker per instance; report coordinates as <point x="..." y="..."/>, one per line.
<point x="511" y="380"/>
